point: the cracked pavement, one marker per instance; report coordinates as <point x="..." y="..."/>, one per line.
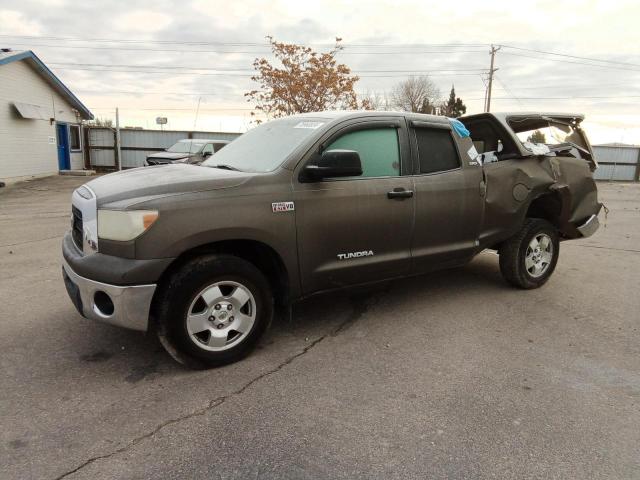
<point x="450" y="375"/>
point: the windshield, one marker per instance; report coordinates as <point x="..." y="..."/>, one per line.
<point x="185" y="147"/>
<point x="265" y="147"/>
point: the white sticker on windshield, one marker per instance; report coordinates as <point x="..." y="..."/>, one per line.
<point x="311" y="125"/>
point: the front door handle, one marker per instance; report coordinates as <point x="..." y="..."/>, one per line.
<point x="399" y="193"/>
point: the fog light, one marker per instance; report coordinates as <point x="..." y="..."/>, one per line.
<point x="103" y="303"/>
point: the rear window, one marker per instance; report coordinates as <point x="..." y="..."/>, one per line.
<point x="551" y="135"/>
<point x="436" y="150"/>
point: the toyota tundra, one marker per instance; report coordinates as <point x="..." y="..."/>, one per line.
<point x="203" y="255"/>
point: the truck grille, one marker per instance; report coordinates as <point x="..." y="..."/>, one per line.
<point x="76" y="227"/>
<point x="155" y="161"/>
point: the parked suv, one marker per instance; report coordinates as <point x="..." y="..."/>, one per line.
<point x="203" y="255"/>
<point x="186" y="151"/>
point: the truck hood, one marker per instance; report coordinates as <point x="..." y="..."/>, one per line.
<point x="170" y="155"/>
<point x="143" y="183"/>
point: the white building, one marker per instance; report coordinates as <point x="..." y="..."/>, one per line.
<point x="40" y="119"/>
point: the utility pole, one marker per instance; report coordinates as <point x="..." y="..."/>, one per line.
<point x="195" y="121"/>
<point x="118" y="151"/>
<point x="492" y="70"/>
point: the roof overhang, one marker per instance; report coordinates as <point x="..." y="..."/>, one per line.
<point x="38" y="65"/>
<point x="33" y="112"/>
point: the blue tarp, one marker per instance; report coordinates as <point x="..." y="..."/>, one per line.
<point x="459" y="127"/>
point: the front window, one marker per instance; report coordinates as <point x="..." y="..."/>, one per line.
<point x="265" y="147"/>
<point x="378" y="148"/>
<point x="185" y="147"/>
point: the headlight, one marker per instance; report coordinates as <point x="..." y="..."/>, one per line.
<point x="124" y="225"/>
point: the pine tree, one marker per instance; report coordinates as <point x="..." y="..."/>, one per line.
<point x="454" y="107"/>
<point x="537" y="137"/>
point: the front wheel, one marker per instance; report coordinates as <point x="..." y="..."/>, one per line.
<point x="213" y="310"/>
<point x="528" y="259"/>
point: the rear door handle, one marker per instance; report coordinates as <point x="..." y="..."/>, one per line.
<point x="399" y="193"/>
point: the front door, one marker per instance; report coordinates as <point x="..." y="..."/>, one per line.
<point x="358" y="229"/>
<point x="449" y="198"/>
<point x="62" y="132"/>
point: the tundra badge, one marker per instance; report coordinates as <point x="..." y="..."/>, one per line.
<point x="346" y="256"/>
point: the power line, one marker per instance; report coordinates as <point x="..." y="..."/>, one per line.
<point x="260" y="44"/>
<point x="264" y="45"/>
<point x="609" y="67"/>
<point x="476" y="98"/>
<point x="185" y="67"/>
<point x="509" y="91"/>
<point x="241" y="52"/>
<point x="576" y="97"/>
<point x="168" y="109"/>
<point x="571" y="56"/>
<point x="226" y="74"/>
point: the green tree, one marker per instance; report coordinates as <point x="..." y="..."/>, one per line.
<point x="100" y="122"/>
<point x="537" y="137"/>
<point x="454" y="107"/>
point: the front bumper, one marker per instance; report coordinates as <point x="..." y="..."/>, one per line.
<point x="122" y="306"/>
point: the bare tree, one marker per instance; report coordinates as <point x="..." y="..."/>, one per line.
<point x="375" y="101"/>
<point x="416" y="94"/>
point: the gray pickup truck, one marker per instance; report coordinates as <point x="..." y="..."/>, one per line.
<point x="203" y="255"/>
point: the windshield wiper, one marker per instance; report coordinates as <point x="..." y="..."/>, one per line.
<point x="225" y="167"/>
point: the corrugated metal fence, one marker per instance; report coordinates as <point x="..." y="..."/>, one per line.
<point x="617" y="162"/>
<point x="135" y="144"/>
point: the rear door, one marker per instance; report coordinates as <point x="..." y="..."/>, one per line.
<point x="449" y="191"/>
<point x="358" y="229"/>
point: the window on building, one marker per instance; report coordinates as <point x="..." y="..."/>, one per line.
<point x="75" y="140"/>
<point x="378" y="148"/>
<point x="436" y="150"/>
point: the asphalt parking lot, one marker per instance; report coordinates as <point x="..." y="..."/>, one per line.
<point x="451" y="375"/>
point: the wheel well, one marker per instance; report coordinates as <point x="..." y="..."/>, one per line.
<point x="548" y="207"/>
<point x="262" y="256"/>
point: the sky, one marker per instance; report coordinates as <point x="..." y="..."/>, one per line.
<point x="191" y="60"/>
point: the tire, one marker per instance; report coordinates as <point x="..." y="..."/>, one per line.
<point x="213" y="310"/>
<point x="521" y="264"/>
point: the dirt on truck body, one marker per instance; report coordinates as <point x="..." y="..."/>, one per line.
<point x="204" y="255"/>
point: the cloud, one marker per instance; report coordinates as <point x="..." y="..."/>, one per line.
<point x="585" y="28"/>
<point x="16" y="23"/>
<point x="143" y="21"/>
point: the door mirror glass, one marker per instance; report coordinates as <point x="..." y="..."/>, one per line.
<point x="335" y="163"/>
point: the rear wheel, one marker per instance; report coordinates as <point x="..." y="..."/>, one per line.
<point x="213" y="310"/>
<point x="528" y="259"/>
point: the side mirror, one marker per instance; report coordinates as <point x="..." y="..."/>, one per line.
<point x="207" y="154"/>
<point x="335" y="163"/>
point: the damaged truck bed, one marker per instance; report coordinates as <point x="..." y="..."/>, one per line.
<point x="524" y="179"/>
